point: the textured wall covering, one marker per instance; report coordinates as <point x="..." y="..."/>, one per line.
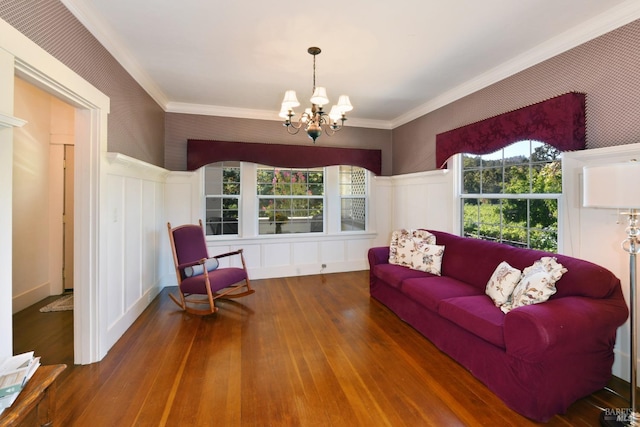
<point x="181" y="127"/>
<point x="606" y="69"/>
<point x="136" y="122"/>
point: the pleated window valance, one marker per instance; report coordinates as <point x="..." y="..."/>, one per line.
<point x="202" y="152"/>
<point x="558" y="121"/>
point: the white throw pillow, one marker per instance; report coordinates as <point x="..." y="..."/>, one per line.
<point x="427" y="257"/>
<point x="402" y="245"/>
<point x="502" y="283"/>
<point x="537" y="284"/>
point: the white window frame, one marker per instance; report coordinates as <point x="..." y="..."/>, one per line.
<point x="457" y="166"/>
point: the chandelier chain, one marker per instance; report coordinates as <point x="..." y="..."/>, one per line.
<point x="314" y="73"/>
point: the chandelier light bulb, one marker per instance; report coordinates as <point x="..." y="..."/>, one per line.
<point x="284" y="113"/>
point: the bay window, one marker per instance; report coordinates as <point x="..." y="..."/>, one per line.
<point x="248" y="199"/>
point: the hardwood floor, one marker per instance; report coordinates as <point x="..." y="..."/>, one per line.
<point x="301" y="351"/>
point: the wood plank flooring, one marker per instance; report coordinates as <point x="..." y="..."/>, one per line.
<point x="301" y="351"/>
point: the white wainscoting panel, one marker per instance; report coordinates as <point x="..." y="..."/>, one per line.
<point x="423" y="200"/>
<point x="134" y="217"/>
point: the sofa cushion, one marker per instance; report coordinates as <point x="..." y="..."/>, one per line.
<point x="502" y="283"/>
<point x="430" y="291"/>
<point x="403" y="244"/>
<point x="394" y="275"/>
<point x="478" y="315"/>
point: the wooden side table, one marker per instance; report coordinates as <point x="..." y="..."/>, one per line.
<point x="36" y="402"/>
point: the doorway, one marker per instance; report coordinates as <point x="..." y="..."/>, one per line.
<point x="43" y="219"/>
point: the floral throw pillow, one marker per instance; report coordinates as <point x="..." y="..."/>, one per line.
<point x="402" y="245"/>
<point x="427" y="257"/>
<point x="502" y="283"/>
<point x="537" y="284"/>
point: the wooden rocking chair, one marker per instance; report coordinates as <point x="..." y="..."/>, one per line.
<point x="200" y="281"/>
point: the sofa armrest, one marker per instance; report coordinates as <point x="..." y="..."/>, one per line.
<point x="563" y="326"/>
<point x="378" y="255"/>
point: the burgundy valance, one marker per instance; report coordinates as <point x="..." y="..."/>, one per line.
<point x="202" y="152"/>
<point x="558" y="121"/>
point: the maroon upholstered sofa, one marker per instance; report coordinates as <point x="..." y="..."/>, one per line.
<point x="538" y="359"/>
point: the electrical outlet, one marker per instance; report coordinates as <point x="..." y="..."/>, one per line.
<point x="323" y="266"/>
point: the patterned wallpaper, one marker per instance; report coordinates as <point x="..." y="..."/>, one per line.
<point x="607" y="69"/>
<point x="136" y="121"/>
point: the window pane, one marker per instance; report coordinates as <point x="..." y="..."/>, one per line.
<point x="222" y="193"/>
<point x="222" y="216"/>
<point x="352" y="214"/>
<point x="492" y="180"/>
<point x="517" y="179"/>
<point x="515" y="236"/>
<point x="470" y="217"/>
<point x="547" y="177"/>
<point x="296" y="202"/>
<point x="353" y="203"/>
<point x="471" y="181"/>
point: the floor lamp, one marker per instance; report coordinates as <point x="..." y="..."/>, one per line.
<point x="617" y="186"/>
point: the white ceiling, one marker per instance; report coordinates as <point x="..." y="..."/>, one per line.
<point x="397" y="60"/>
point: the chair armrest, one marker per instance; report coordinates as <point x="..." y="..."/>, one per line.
<point x="378" y="255"/>
<point x="238" y="252"/>
<point x="563" y="326"/>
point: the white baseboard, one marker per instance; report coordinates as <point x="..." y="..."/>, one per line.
<point x="30" y="297"/>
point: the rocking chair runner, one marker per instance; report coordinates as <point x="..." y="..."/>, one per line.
<point x="198" y="277"/>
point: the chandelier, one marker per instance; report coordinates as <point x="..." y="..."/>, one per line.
<point x="315" y="119"/>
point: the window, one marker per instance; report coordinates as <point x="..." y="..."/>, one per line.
<point x="511" y="195"/>
<point x="222" y="197"/>
<point x="290" y="200"/>
<point x="353" y="201"/>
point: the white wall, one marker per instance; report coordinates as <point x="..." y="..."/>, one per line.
<point x="31" y="197"/>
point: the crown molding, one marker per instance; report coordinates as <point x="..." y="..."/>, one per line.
<point x="608" y="21"/>
<point x="116" y="48"/>
<point x="246" y="113"/>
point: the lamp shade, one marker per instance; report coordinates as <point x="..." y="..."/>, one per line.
<point x="290" y="100"/>
<point x="319" y="96"/>
<point x="335" y="114"/>
<point x="344" y="104"/>
<point x="615" y="186"/>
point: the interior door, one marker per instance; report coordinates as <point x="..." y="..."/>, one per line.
<point x="67" y="240"/>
